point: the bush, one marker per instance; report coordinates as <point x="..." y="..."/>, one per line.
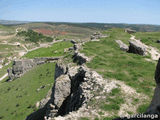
<point x="34" y="36"/>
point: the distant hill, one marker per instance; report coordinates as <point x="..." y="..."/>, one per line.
<point x="12" y="22"/>
<point x="105" y="26"/>
<point x="100" y="26"/>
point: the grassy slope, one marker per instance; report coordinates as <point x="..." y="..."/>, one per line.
<point x="71" y="30"/>
<point x="18" y="98"/>
<point x="149" y="38"/>
<point x="56" y="50"/>
<point x="4" y="70"/>
<point x="9" y="48"/>
<point x="7" y="29"/>
<point x="111" y="62"/>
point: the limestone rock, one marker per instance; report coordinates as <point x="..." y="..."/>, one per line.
<point x="72" y="90"/>
<point x="19" y="68"/>
<point x="137" y="48"/>
<point x="158" y="41"/>
<point x="154" y="107"/>
<point x="80" y="58"/>
<point x="22" y="66"/>
<point x="130" y="31"/>
<point x="97" y="35"/>
<point x="76" y="47"/>
<point x="157" y="73"/>
<point x="122" y="45"/>
<point x="62" y="89"/>
<point x="60" y="69"/>
<point x="73" y="42"/>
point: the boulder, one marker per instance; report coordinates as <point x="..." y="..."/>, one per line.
<point x="96" y="35"/>
<point x="157" y="73"/>
<point x="130" y="31"/>
<point x="71" y="48"/>
<point x="73" y="42"/>
<point x="80" y="58"/>
<point x="158" y="41"/>
<point x="154" y="107"/>
<point x="137" y="48"/>
<point x="122" y="45"/>
<point x="62" y="89"/>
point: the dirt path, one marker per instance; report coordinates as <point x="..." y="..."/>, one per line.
<point x="4" y="76"/>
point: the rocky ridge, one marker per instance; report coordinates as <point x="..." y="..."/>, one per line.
<point x="73" y="88"/>
<point x="137" y="47"/>
<point x="23" y="65"/>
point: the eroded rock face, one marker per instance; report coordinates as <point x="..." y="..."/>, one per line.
<point x="154" y="107"/>
<point x="19" y="68"/>
<point x="80" y="58"/>
<point x="137" y="48"/>
<point x="22" y="66"/>
<point x="97" y="35"/>
<point x="62" y="89"/>
<point x="73" y="88"/>
<point x="122" y="45"/>
<point x="60" y="69"/>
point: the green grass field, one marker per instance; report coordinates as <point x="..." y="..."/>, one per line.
<point x="55" y="50"/>
<point x="4" y="70"/>
<point x="7" y="30"/>
<point x="9" y="48"/>
<point x="149" y="38"/>
<point x="111" y="62"/>
<point x="18" y="98"/>
<point x="34" y="36"/>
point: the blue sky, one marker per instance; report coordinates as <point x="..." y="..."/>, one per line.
<point x="103" y="11"/>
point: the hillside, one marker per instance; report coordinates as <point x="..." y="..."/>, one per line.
<point x="74" y="77"/>
<point x="100" y="26"/>
<point x="18" y="98"/>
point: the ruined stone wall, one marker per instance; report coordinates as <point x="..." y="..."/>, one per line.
<point x="22" y="66"/>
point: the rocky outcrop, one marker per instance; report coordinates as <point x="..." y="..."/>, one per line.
<point x="22" y="66"/>
<point x="73" y="88"/>
<point x="77" y="47"/>
<point x="130" y="31"/>
<point x="154" y="107"/>
<point x="73" y="42"/>
<point x="97" y="35"/>
<point x="122" y="45"/>
<point x="80" y="58"/>
<point x="19" y="68"/>
<point x="158" y="41"/>
<point x="137" y="48"/>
